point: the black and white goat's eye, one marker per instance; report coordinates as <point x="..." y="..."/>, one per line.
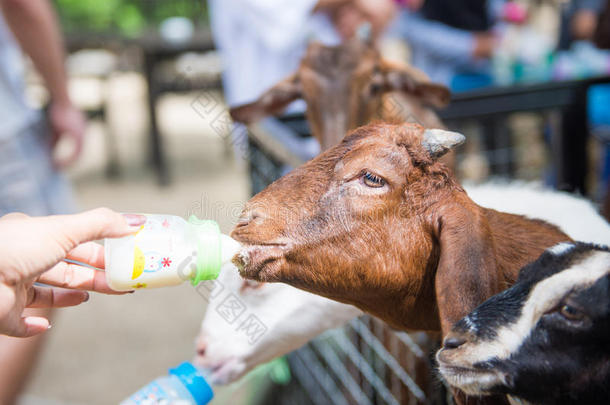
<point x="570" y="312"/>
<point x="372" y="180"/>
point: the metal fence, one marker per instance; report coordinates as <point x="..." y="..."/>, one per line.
<point x="364" y="363"/>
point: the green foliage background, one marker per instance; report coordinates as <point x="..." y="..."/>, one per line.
<point x="125" y="17"/>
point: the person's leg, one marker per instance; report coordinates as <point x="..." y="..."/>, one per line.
<point x="28" y="184"/>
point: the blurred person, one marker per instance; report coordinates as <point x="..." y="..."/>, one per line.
<point x="579" y="21"/>
<point x="262" y="41"/>
<point x="602" y="41"/>
<point x="29" y="180"/>
<point x="449" y="37"/>
<point x="602" y="32"/>
<point x="33" y="249"/>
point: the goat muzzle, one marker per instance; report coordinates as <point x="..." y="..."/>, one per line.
<point x="259" y="262"/>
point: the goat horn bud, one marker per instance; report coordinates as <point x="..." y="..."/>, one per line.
<point x="438" y="141"/>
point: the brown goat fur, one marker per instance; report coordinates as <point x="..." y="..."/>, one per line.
<point x="412" y="248"/>
<point x="347" y="86"/>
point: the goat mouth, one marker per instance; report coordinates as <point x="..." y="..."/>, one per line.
<point x="259" y="261"/>
<point x="468" y="379"/>
<point x="226" y="372"/>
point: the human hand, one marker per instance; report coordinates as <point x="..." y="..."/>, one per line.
<point x="350" y="15"/>
<point x="346" y="20"/>
<point x="378" y="12"/>
<point x="32" y="250"/>
<point x="67" y="124"/>
<point x="484" y="45"/>
<point x="414" y="5"/>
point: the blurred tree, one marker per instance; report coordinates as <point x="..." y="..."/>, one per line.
<point x="129" y="17"/>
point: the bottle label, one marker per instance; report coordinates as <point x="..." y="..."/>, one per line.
<point x="152" y="394"/>
<point x="159" y="247"/>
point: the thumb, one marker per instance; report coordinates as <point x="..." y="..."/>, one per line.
<point x="96" y="224"/>
<point x="30" y="326"/>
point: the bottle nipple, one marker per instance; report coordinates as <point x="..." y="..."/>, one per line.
<point x="213" y="249"/>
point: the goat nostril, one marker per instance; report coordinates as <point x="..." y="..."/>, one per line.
<point x="247" y="218"/>
<point x="201" y="346"/>
<point x="453" y="342"/>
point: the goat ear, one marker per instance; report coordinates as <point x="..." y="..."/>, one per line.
<point x="415" y="83"/>
<point x="271" y="102"/>
<point x="439" y="141"/>
<point x="467" y="272"/>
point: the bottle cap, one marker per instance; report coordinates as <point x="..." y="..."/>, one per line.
<point x="208" y="249"/>
<point x="194" y="382"/>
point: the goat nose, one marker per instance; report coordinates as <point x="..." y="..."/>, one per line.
<point x="453" y="342"/>
<point x="247" y="217"/>
<point x="202" y="345"/>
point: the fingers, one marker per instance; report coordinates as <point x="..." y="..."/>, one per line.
<point x="73" y="276"/>
<point x="13" y="216"/>
<point x="90" y="253"/>
<point x="51" y="297"/>
<point x="75" y="142"/>
<point x="95" y="224"/>
<point x="30" y="326"/>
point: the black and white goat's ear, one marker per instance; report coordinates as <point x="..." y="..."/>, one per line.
<point x="413" y="82"/>
<point x="439" y="141"/>
<point x="467" y="271"/>
<point x="271" y="102"/>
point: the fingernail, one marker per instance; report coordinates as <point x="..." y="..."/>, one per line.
<point x="49" y="327"/>
<point x="86" y="297"/>
<point x="134" y="219"/>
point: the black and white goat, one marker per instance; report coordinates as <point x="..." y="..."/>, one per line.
<point x="546" y="340"/>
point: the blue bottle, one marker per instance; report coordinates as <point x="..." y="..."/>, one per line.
<point x="185" y="385"/>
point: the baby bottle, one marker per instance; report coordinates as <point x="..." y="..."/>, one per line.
<point x="167" y="250"/>
<point x="184" y="385"/>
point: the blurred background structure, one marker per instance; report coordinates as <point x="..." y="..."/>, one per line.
<point x="160" y="139"/>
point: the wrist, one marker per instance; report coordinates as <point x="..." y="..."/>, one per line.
<point x="329" y="5"/>
<point x="62" y="102"/>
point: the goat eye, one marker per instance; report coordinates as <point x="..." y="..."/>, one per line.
<point x="375" y="89"/>
<point x="571" y="313"/>
<point x="372" y="180"/>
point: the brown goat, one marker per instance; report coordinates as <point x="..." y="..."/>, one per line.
<point x="379" y="223"/>
<point x="347" y="86"/>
